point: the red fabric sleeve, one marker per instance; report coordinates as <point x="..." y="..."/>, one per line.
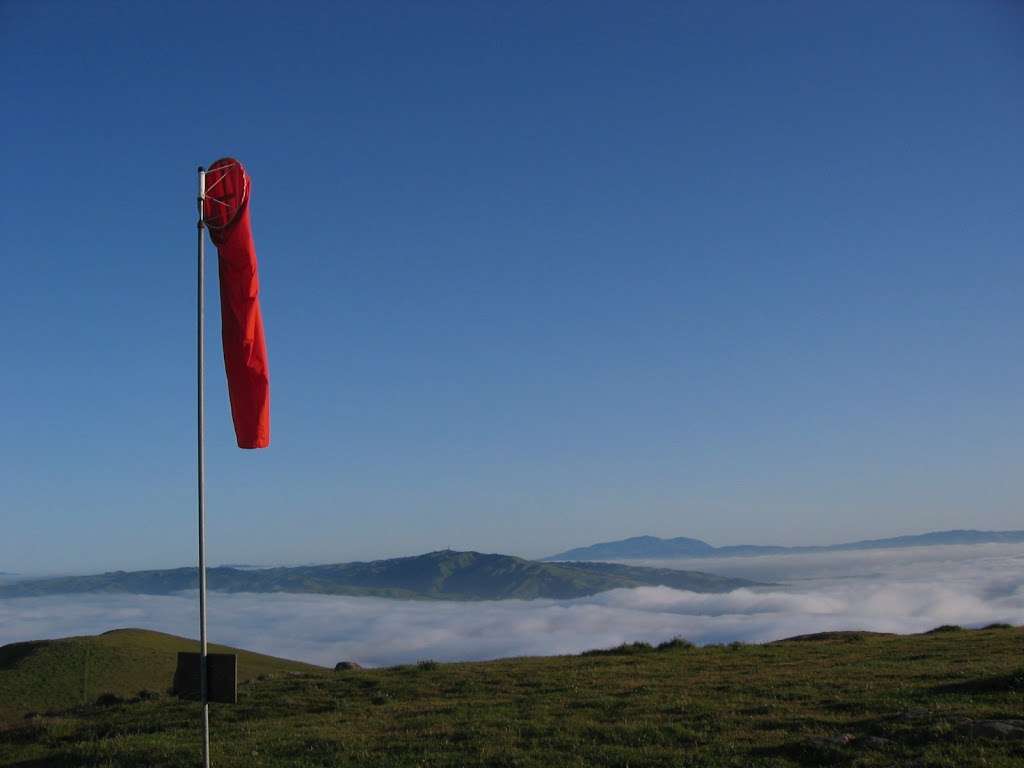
<point x="245" y="349"/>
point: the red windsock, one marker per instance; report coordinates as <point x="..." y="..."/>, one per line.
<point x="226" y="213"/>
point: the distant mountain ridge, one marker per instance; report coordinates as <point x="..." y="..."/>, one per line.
<point x="443" y="575"/>
<point x="654" y="547"/>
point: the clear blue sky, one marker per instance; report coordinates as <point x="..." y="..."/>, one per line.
<point x="534" y="275"/>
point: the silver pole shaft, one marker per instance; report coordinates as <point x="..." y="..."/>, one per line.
<point x="201" y="467"/>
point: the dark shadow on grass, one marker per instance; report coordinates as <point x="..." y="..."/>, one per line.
<point x="804" y="753"/>
<point x="804" y="722"/>
<point x="844" y="706"/>
<point x="1013" y="681"/>
<point x="15" y="652"/>
<point x="25" y="734"/>
<point x="51" y="761"/>
<point x="836" y="749"/>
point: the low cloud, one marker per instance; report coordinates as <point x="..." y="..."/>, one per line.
<point x="909" y="590"/>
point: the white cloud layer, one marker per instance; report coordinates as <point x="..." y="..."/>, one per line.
<point x="907" y="590"/>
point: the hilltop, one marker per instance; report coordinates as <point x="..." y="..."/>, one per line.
<point x="443" y="575"/>
<point x="945" y="698"/>
<point x="638" y="547"/>
<point x="56" y="674"/>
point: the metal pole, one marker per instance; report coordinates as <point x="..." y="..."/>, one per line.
<point x="200" y="464"/>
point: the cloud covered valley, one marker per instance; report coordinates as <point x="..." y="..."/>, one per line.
<point x="903" y="590"/>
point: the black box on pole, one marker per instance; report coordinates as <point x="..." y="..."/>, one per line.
<point x="221" y="677"/>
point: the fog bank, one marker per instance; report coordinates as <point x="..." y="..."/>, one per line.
<point x="909" y="590"/>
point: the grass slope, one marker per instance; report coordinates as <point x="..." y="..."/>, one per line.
<point x="847" y="699"/>
<point x="443" y="575"/>
<point x="56" y="674"/>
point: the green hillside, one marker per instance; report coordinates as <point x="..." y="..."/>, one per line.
<point x="951" y="698"/>
<point x="55" y="674"/>
<point x="443" y="575"/>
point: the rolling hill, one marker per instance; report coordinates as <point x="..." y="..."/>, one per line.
<point x="644" y="547"/>
<point x="443" y="575"/>
<point x="55" y="674"/>
<point x="948" y="698"/>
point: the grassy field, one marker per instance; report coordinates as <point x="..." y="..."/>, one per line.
<point x="57" y="674"/>
<point x="846" y="699"/>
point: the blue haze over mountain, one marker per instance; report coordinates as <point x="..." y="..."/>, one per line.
<point x="644" y="547"/>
